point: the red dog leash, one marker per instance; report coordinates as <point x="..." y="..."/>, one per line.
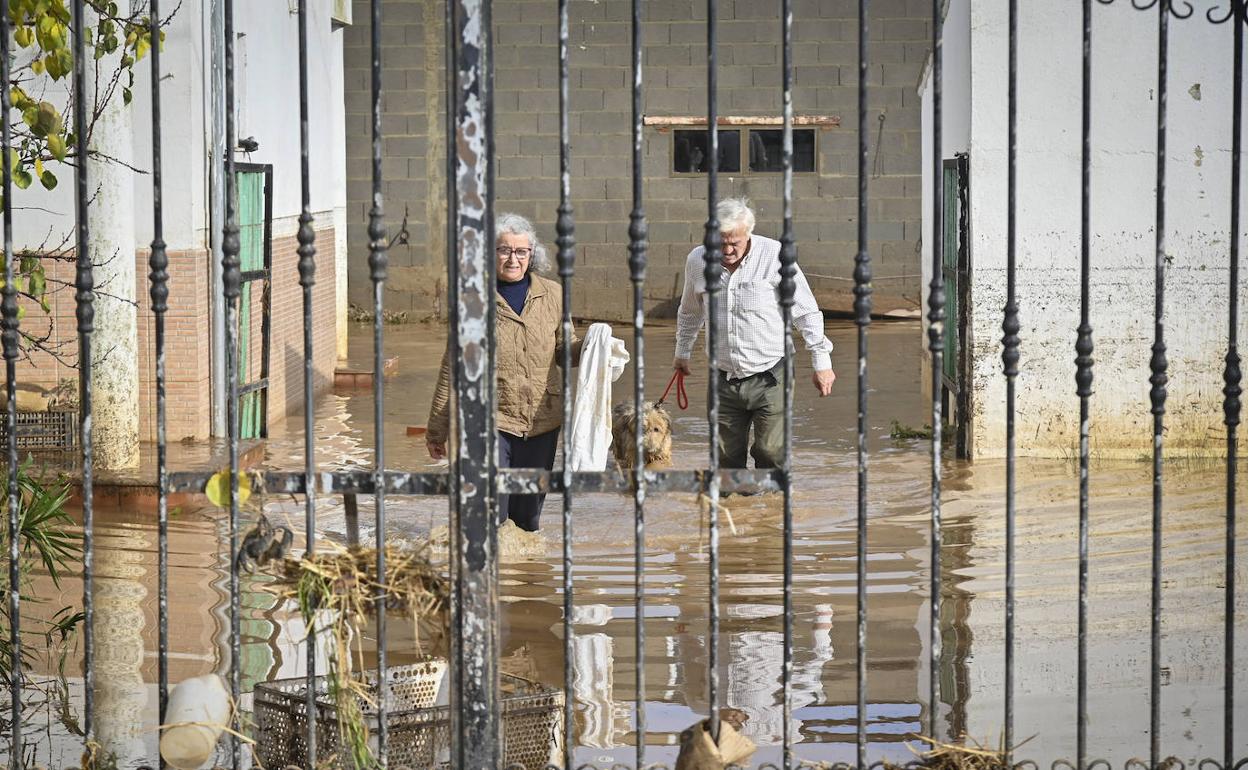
<point x="682" y="398"/>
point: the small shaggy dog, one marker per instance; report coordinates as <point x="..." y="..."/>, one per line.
<point x="656" y="441"/>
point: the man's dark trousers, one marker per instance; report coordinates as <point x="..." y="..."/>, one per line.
<point x="758" y="401"/>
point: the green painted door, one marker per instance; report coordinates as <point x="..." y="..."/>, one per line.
<point x="950" y="271"/>
<point x="252" y="236"/>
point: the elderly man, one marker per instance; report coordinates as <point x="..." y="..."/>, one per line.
<point x="751" y="336"/>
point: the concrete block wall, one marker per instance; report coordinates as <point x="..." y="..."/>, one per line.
<point x="526" y="98"/>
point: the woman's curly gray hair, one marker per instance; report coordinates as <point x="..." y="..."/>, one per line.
<point x="518" y="225"/>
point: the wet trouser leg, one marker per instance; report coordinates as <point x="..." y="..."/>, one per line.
<point x="767" y="403"/>
<point x="734" y="423"/>
<point x="531" y="452"/>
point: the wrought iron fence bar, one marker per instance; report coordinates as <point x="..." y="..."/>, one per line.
<point x="307" y="280"/>
<point x="936" y="343"/>
<point x="565" y="227"/>
<point x="1083" y="385"/>
<point x="232" y="288"/>
<point x="1157" y="394"/>
<point x="84" y="296"/>
<point x="511" y="481"/>
<point x="1009" y="358"/>
<point x="711" y="274"/>
<point x="1231" y="389"/>
<point x="159" y="277"/>
<point x="11" y="324"/>
<point x="251" y="276"/>
<point x="378" y="261"/>
<point x="788" y="261"/>
<point x="637" y="234"/>
<point x="862" y="319"/>
<point x="476" y="586"/>
<point x="452" y="312"/>
<point x="252" y="387"/>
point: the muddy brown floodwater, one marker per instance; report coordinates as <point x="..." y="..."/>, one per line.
<point x="676" y="585"/>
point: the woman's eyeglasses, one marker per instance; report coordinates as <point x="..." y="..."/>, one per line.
<point x="506" y="251"/>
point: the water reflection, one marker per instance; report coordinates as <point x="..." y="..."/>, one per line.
<point x="824" y="671"/>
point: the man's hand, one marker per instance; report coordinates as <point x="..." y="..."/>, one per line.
<point x="823" y="382"/>
<point x="437" y="449"/>
<point x="682" y="365"/>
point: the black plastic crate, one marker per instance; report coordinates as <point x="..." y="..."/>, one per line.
<point x="54" y="430"/>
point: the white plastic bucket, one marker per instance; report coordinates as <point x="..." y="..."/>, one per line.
<point x="198" y="711"/>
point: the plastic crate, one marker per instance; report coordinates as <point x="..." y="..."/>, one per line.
<point x="51" y="430"/>
<point x="419" y="731"/>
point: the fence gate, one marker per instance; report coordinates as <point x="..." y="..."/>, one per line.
<point x="474" y="481"/>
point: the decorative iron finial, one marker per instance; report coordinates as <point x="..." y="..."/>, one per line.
<point x="713" y="244"/>
<point x="1158" y="364"/>
<point x="565" y="239"/>
<point x="159" y="275"/>
<point x="1232" y="390"/>
<point x="638" y="235"/>
<point x="306" y="250"/>
<point x="788" y="264"/>
<point x="1083" y="361"/>
<point x="378" y="257"/>
<point x="936" y="314"/>
<point x="862" y="288"/>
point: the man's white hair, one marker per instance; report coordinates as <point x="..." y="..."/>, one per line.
<point x="515" y="224"/>
<point x="734" y="213"/>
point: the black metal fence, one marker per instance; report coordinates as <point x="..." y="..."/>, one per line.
<point x="474" y="481"/>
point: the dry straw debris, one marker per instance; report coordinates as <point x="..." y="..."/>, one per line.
<point x="956" y="756"/>
<point x="337" y="591"/>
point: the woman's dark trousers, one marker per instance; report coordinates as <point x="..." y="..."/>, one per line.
<point x="531" y="452"/>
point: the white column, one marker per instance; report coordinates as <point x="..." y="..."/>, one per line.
<point x="115" y="364"/>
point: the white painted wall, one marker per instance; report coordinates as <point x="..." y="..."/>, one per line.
<point x="1124" y="102"/>
<point x="267" y="89"/>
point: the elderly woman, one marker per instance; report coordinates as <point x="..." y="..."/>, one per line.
<point x="529" y="353"/>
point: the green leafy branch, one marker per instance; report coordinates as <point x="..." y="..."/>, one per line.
<point x="42" y="132"/>
<point x="41" y="30"/>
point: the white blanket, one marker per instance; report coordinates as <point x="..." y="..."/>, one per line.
<point x="603" y="358"/>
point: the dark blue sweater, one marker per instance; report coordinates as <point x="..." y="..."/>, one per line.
<point x="515" y="293"/>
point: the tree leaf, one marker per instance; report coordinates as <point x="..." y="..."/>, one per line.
<point x="218" y="489"/>
<point x="47" y="119"/>
<point x="48" y="179"/>
<point x="56" y="146"/>
<point x="18" y="98"/>
<point x="22" y="178"/>
<point x="38" y="283"/>
<point x="126" y="95"/>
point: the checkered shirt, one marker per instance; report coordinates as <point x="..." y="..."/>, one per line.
<point x="750" y="325"/>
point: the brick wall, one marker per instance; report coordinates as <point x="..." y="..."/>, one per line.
<point x="526" y="99"/>
<point x="286" y="341"/>
<point x="187" y="336"/>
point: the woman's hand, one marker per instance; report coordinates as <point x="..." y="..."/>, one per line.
<point x="437" y="449"/>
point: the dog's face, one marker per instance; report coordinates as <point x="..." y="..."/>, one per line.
<point x="657" y="441"/>
<point x="656" y="436"/>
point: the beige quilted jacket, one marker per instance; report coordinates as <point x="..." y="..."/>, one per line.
<point x="530" y="351"/>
